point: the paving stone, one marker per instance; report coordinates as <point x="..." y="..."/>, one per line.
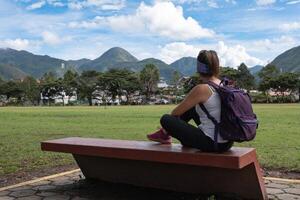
<point x="62" y="182"/>
<point x="57" y="197"/>
<point x="296" y="185"/>
<point x="293" y="191"/>
<point x="40" y="183"/>
<point x="272" y="197"/>
<point x="44" y="187"/>
<point x="21" y="188"/>
<point x="288" y="197"/>
<point x="274" y="191"/>
<point x="46" y="194"/>
<point x="7" y="198"/>
<point x="75" y="178"/>
<point x="4" y="193"/>
<point x="30" y="198"/>
<point x="73" y="192"/>
<point x="22" y="193"/>
<point x="277" y="185"/>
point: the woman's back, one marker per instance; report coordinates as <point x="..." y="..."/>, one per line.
<point x="213" y="106"/>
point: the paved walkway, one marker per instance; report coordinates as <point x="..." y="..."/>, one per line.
<point x="72" y="186"/>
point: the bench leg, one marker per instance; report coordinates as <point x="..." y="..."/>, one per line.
<point x="246" y="183"/>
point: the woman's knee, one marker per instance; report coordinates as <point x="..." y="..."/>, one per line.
<point x="165" y="120"/>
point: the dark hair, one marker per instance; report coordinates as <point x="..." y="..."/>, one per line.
<point x="210" y="58"/>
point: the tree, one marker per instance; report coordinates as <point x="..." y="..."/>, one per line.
<point x="13" y="89"/>
<point x="114" y="81"/>
<point x="130" y="84"/>
<point x="245" y="79"/>
<point x="48" y="77"/>
<point x="190" y="83"/>
<point x="51" y="87"/>
<point x="228" y="72"/>
<point x="87" y="85"/>
<point x="70" y="83"/>
<point x="175" y="82"/>
<point x="286" y="81"/>
<point x="31" y="89"/>
<point x="2" y="82"/>
<point x="120" y="82"/>
<point x="266" y="75"/>
<point x="175" y="78"/>
<point x="149" y="78"/>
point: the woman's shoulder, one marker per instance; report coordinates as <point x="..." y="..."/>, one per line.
<point x="202" y="88"/>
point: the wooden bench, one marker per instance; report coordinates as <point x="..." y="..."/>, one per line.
<point x="171" y="167"/>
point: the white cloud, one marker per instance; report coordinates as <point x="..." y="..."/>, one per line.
<point x="293" y="2"/>
<point x="265" y="2"/>
<point x="231" y="56"/>
<point x="75" y="5"/>
<point x="234" y="55"/>
<point x="230" y="1"/>
<point x="274" y="45"/>
<point x="162" y="19"/>
<point x="42" y="3"/>
<point x="290" y="26"/>
<point x="53" y="39"/>
<point x="55" y="3"/>
<point x="212" y="4"/>
<point x="19" y="44"/>
<point x="176" y="50"/>
<point x="99" y="4"/>
<point x="36" y="5"/>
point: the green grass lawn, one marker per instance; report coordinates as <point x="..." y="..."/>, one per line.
<point x="22" y="129"/>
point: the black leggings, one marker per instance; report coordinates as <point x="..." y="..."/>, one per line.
<point x="189" y="135"/>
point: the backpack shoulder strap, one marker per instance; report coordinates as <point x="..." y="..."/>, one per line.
<point x="216" y="123"/>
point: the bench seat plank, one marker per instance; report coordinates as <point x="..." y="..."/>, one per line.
<point x="236" y="158"/>
<point x="171" y="167"/>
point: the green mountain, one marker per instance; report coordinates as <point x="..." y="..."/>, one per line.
<point x="17" y="64"/>
<point x="9" y="72"/>
<point x="109" y="59"/>
<point x="255" y="69"/>
<point x="289" y="61"/>
<point x="34" y="65"/>
<point x="120" y="58"/>
<point x="185" y="65"/>
<point x="77" y="63"/>
<point x="165" y="70"/>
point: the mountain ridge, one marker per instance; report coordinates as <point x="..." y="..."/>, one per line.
<point x="288" y="61"/>
<point x="17" y="64"/>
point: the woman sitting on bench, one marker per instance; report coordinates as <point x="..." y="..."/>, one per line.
<point x="176" y="124"/>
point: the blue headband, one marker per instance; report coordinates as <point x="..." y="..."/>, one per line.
<point x="203" y="68"/>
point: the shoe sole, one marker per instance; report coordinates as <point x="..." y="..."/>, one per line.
<point x="160" y="141"/>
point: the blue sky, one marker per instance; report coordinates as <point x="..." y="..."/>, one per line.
<point x="250" y="31"/>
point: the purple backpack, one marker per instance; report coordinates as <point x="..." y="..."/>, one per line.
<point x="238" y="122"/>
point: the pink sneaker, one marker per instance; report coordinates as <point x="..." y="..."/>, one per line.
<point x="160" y="136"/>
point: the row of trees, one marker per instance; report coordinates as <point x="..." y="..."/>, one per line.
<point x="268" y="79"/>
<point x="272" y="78"/>
<point x="241" y="77"/>
<point x="86" y="86"/>
<point x="115" y="83"/>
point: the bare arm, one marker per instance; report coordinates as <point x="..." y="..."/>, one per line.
<point x="198" y="94"/>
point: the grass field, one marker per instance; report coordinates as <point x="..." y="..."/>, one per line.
<point x="22" y="129"/>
